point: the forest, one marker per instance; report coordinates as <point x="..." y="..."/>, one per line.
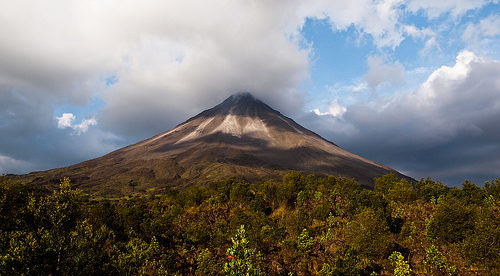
<point x="302" y="225"/>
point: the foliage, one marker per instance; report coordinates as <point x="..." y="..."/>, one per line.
<point x="482" y="248"/>
<point x="368" y="234"/>
<point x="451" y="222"/>
<point x="241" y="258"/>
<point x="435" y="263"/>
<point x="304" y="241"/>
<point x="401" y="267"/>
<point x="140" y="257"/>
<point x="302" y="225"/>
<point x="206" y="263"/>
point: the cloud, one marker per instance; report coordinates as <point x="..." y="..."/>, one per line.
<point x="167" y="59"/>
<point x="8" y="164"/>
<point x="334" y="109"/>
<point x="448" y="128"/>
<point x="456" y="8"/>
<point x="171" y="59"/>
<point x="66" y="121"/>
<point x="377" y="19"/>
<point x="84" y="125"/>
<point x="482" y="32"/>
<point x="380" y="73"/>
<point x="430" y="44"/>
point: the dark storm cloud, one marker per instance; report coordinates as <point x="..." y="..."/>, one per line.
<point x="167" y="61"/>
<point x="449" y="129"/>
<point x="30" y="139"/>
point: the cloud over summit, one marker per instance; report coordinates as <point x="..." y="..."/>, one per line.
<point x="155" y="63"/>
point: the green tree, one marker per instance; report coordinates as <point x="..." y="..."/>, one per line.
<point x="91" y="252"/>
<point x="384" y="183"/>
<point x="451" y="221"/>
<point x="242" y="260"/>
<point x="304" y="241"/>
<point x="402" y="191"/>
<point x="435" y="263"/>
<point x="346" y="263"/>
<point x="368" y="234"/>
<point x="493" y="188"/>
<point x="401" y="267"/>
<point x="429" y="189"/>
<point x="395" y="189"/>
<point x="240" y="191"/>
<point x="43" y="244"/>
<point x="471" y="193"/>
<point x="482" y="247"/>
<point x="293" y="183"/>
<point x="140" y="258"/>
<point x="207" y="263"/>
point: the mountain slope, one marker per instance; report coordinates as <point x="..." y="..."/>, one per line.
<point x="241" y="136"/>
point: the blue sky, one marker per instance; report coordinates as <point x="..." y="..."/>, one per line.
<point x="408" y="83"/>
<point x="339" y="56"/>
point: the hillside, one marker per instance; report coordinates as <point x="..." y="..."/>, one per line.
<point x="241" y="136"/>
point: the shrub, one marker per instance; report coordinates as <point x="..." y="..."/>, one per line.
<point x="401" y="267"/>
<point x="242" y="260"/>
<point x="451" y="221"/>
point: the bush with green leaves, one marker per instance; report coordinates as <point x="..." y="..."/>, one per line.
<point x="451" y="222"/>
<point x="401" y="267"/>
<point x="482" y="247"/>
<point x="242" y="260"/>
<point x="368" y="234"/>
<point x="139" y="257"/>
<point x="207" y="264"/>
<point x="304" y="241"/>
<point x="428" y="189"/>
<point x="302" y="225"/>
<point x="42" y="244"/>
<point x="435" y="262"/>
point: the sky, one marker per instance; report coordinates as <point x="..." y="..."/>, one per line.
<point x="412" y="84"/>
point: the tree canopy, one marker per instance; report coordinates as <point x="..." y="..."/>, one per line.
<point x="302" y="225"/>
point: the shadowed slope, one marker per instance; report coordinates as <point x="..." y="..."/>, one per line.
<point x="241" y="136"/>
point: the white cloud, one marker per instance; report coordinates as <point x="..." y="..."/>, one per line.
<point x="66" y="121"/>
<point x="435" y="8"/>
<point x="475" y="34"/>
<point x="84" y="125"/>
<point x="379" y="19"/>
<point x="449" y="122"/>
<point x="415" y="32"/>
<point x="430" y="44"/>
<point x="490" y="26"/>
<point x="380" y="73"/>
<point x="356" y="86"/>
<point x="334" y="109"/>
<point x="442" y="82"/>
<point x="319" y="113"/>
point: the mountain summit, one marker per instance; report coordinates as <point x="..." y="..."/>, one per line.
<point x="242" y="136"/>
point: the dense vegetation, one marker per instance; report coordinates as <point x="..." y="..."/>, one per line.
<point x="300" y="226"/>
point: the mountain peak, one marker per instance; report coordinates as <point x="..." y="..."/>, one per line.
<point x="242" y="96"/>
<point x="242" y="104"/>
<point x="242" y="99"/>
<point x="241" y="136"/>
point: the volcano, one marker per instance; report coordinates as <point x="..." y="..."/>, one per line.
<point x="241" y="137"/>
